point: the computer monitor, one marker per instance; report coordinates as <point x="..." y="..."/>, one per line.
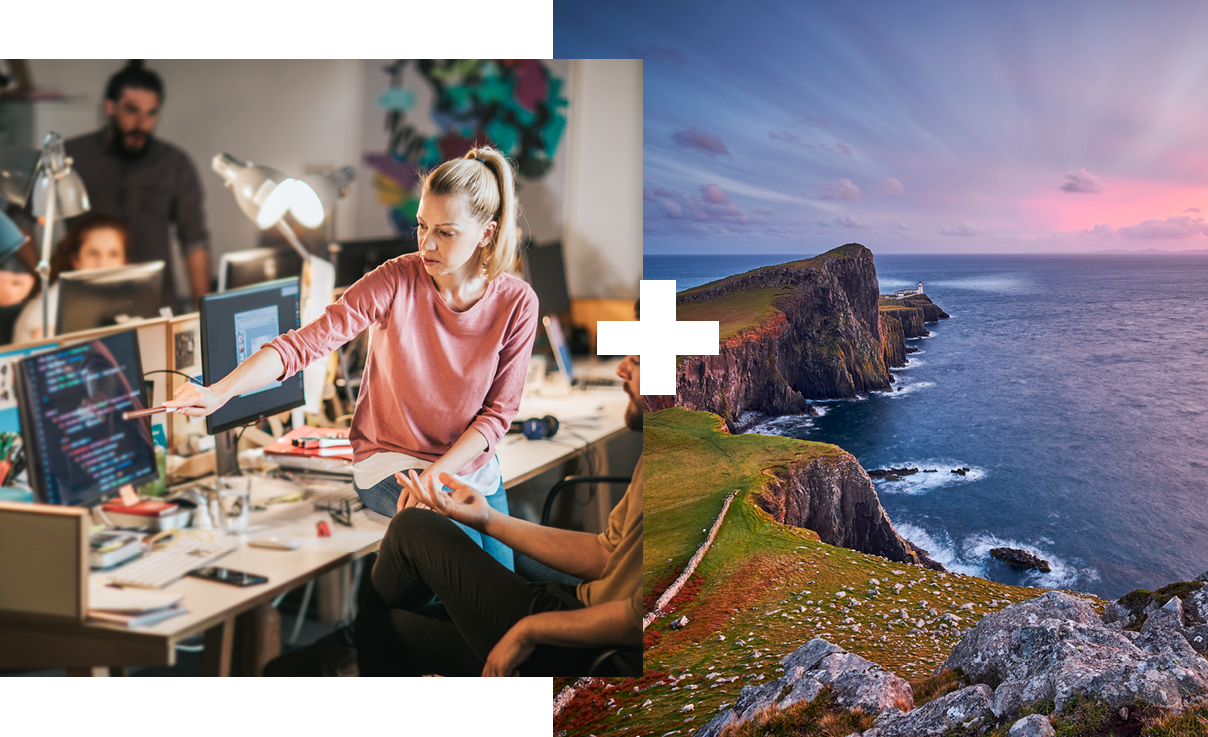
<point x="98" y="297"/>
<point x="234" y="325"/>
<point x="546" y="273"/>
<point x="78" y="448"/>
<point x="256" y="266"/>
<point x="354" y="259"/>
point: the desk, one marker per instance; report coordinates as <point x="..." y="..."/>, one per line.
<point x="29" y="643"/>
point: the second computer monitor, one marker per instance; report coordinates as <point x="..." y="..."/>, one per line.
<point x="354" y="259"/>
<point x="234" y="325"/>
<point x="78" y="447"/>
<point x="98" y="297"/>
<point x="546" y="273"/>
<point x="257" y="265"/>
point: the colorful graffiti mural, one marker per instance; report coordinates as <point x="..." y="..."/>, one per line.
<point x="516" y="105"/>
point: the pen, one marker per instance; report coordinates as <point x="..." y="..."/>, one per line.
<point x="144" y="412"/>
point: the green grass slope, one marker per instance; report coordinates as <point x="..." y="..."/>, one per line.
<point x="763" y="589"/>
<point x="747" y="308"/>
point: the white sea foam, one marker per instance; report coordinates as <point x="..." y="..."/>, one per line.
<point x="939" y="547"/>
<point x="925" y="483"/>
<point x="905" y="388"/>
<point x="781" y="425"/>
<point x="1063" y="574"/>
<point x="911" y="362"/>
<point x="972" y="557"/>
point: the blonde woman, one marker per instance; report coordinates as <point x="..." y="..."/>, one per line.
<point x="450" y="336"/>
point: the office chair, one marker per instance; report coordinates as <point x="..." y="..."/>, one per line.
<point x="615" y="661"/>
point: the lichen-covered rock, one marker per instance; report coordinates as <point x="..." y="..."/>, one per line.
<point x="968" y="708"/>
<point x="1054" y="647"/>
<point x="855" y="681"/>
<point x="1033" y="725"/>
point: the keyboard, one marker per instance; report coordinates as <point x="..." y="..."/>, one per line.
<point x="169" y="564"/>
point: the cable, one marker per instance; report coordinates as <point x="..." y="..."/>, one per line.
<point x="170" y="371"/>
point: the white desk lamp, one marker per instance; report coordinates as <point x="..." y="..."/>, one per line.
<point x="265" y="195"/>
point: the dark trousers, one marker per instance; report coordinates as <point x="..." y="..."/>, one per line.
<point x="401" y="631"/>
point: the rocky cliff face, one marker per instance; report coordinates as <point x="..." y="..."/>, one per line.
<point x="902" y="319"/>
<point x="822" y="340"/>
<point x="833" y="496"/>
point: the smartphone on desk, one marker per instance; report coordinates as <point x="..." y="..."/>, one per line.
<point x="226" y="575"/>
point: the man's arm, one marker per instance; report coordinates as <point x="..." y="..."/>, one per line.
<point x="189" y="215"/>
<point x="199" y="271"/>
<point x="577" y="553"/>
<point x="595" y="626"/>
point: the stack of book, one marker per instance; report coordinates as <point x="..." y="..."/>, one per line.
<point x="146" y="515"/>
<point x="315" y="449"/>
<point x="132" y="607"/>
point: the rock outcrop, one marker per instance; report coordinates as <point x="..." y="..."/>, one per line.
<point x="903" y="318"/>
<point x="812" y="331"/>
<point x="1055" y="647"/>
<point x="1017" y="558"/>
<point x="834" y="497"/>
<point x="856" y="682"/>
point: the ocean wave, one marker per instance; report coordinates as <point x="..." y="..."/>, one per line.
<point x="905" y="388"/>
<point x="971" y="557"/>
<point x="925" y="483"/>
<point x="1063" y="574"/>
<point x="911" y="362"/>
<point x="781" y="425"/>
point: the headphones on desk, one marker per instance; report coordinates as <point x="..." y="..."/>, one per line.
<point x="535" y="428"/>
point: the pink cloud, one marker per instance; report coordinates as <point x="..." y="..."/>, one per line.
<point x="712" y="194"/>
<point x="843" y="149"/>
<point x="889" y="186"/>
<point x="673" y="209"/>
<point x="840" y="190"/>
<point x="707" y="142"/>
<point x="1124" y="202"/>
<point x="847" y="221"/>
<point x="1082" y="181"/>
<point x="1191" y="209"/>
<point x="1173" y="228"/>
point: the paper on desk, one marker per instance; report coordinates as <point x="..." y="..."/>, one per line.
<point x="111" y="599"/>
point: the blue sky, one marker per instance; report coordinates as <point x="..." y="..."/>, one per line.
<point x="914" y="126"/>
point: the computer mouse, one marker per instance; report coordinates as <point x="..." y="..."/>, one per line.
<point x="275" y="543"/>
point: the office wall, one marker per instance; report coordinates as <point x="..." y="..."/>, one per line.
<point x="603" y="226"/>
<point x="309" y="114"/>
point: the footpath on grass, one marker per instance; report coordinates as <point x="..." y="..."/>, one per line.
<point x="568" y="693"/>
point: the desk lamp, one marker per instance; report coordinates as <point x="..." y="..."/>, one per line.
<point x="57" y="191"/>
<point x="265" y="195"/>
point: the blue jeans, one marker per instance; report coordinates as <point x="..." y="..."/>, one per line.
<point x="383" y="499"/>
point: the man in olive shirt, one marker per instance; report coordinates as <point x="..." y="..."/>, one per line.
<point x="148" y="183"/>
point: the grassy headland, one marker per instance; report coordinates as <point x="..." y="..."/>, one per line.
<point x="763" y="589"/>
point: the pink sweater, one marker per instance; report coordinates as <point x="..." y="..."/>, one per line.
<point x="430" y="372"/>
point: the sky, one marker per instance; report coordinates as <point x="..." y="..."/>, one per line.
<point x="914" y="127"/>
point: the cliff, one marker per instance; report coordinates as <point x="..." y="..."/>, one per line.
<point x="833" y="496"/>
<point x="903" y="318"/>
<point x="810" y="329"/>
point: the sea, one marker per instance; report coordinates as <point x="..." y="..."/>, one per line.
<point x="1074" y="388"/>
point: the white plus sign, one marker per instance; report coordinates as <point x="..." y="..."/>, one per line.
<point x="658" y="338"/>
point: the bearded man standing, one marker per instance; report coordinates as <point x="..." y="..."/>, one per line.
<point x="149" y="183"/>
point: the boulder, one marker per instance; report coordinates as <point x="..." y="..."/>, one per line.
<point x="1033" y="725"/>
<point x="1017" y="558"/>
<point x="855" y="681"/>
<point x="966" y="708"/>
<point x="1055" y="647"/>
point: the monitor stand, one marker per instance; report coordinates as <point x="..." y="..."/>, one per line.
<point x="226" y="452"/>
